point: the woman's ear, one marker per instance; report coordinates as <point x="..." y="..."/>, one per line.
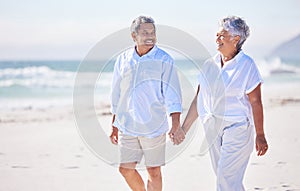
<point x="236" y="40"/>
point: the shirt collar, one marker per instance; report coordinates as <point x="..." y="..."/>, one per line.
<point x="150" y="54"/>
<point x="238" y="57"/>
<point x="235" y="59"/>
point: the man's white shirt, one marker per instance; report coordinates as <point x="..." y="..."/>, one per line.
<point x="145" y="91"/>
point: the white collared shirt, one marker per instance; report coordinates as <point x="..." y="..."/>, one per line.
<point x="223" y="90"/>
<point x="145" y="90"/>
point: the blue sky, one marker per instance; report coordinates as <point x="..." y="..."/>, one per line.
<point x="68" y="29"/>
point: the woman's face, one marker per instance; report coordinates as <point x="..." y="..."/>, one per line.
<point x="226" y="44"/>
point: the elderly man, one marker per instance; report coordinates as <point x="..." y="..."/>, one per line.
<point x="145" y="91"/>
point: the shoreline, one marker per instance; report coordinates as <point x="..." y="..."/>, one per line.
<point x="272" y="95"/>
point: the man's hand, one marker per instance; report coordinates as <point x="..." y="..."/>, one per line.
<point x="114" y="135"/>
<point x="261" y="145"/>
<point x="178" y="136"/>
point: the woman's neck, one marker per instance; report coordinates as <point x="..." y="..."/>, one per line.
<point x="226" y="57"/>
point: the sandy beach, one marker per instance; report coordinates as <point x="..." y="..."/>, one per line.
<point x="41" y="149"/>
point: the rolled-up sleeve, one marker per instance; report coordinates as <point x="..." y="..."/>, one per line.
<point x="115" y="88"/>
<point x="171" y="88"/>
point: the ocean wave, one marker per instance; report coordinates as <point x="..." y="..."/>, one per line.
<point x="45" y="77"/>
<point x="33" y="76"/>
<point x="276" y="66"/>
<point x="32" y="71"/>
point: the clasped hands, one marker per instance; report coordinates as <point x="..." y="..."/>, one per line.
<point x="177" y="135"/>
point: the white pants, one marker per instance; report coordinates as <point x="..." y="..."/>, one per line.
<point x="230" y="147"/>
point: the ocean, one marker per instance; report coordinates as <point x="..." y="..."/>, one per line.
<point x="42" y="84"/>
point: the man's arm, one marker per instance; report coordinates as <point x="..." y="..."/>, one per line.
<point x="115" y="97"/>
<point x="171" y="88"/>
<point x="258" y="116"/>
<point x="173" y="100"/>
<point x="114" y="133"/>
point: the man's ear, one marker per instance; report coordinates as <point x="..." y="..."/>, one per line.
<point x="133" y="35"/>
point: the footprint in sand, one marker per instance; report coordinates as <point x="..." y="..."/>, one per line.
<point x="19" y="166"/>
<point x="71" y="167"/>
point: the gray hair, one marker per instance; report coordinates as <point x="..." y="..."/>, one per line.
<point x="136" y="23"/>
<point x="236" y="26"/>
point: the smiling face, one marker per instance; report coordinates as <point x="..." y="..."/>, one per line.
<point x="145" y="38"/>
<point x="226" y="44"/>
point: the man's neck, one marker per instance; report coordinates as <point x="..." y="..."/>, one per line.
<point x="142" y="50"/>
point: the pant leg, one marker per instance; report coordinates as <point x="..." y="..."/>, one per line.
<point x="236" y="147"/>
<point x="154" y="150"/>
<point x="213" y="133"/>
<point x="130" y="149"/>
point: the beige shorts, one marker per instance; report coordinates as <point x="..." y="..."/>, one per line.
<point x="132" y="149"/>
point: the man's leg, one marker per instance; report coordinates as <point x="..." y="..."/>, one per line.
<point x="130" y="154"/>
<point x="154" y="152"/>
<point x="154" y="179"/>
<point x="132" y="177"/>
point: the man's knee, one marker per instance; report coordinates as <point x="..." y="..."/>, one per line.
<point x="126" y="171"/>
<point x="154" y="172"/>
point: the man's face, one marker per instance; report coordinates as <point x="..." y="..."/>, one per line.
<point x="145" y="36"/>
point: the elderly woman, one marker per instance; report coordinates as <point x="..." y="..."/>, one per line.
<point x="228" y="103"/>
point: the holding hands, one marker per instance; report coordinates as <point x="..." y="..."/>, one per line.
<point x="177" y="136"/>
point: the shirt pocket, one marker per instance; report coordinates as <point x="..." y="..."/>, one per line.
<point x="149" y="75"/>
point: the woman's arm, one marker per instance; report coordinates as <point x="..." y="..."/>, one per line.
<point x="192" y="114"/>
<point x="258" y="116"/>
